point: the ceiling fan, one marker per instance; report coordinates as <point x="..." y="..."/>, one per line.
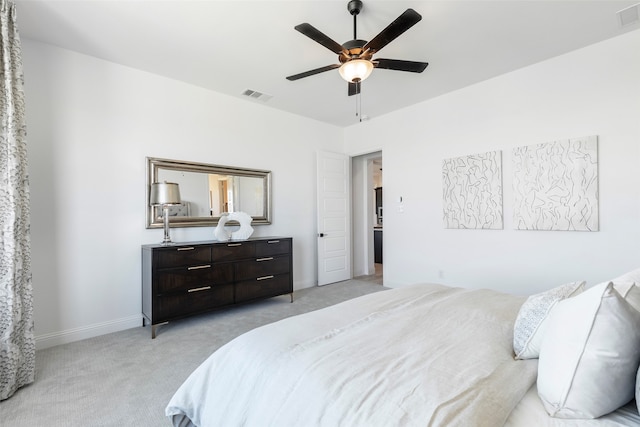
<point x="356" y="56"/>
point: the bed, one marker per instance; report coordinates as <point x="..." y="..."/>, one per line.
<point x="421" y="355"/>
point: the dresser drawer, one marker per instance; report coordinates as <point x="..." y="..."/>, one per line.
<point x="233" y="250"/>
<point x="182" y="255"/>
<point x="273" y="247"/>
<point x="260" y="267"/>
<point x="168" y="307"/>
<point x="197" y="276"/>
<point x="263" y="287"/>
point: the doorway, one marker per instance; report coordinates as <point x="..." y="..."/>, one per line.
<point x="367" y="211"/>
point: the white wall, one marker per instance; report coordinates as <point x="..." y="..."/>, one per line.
<point x="90" y="125"/>
<point x="593" y="91"/>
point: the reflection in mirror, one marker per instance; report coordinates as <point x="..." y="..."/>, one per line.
<point x="208" y="191"/>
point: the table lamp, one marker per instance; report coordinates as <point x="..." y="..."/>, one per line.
<point x="165" y="194"/>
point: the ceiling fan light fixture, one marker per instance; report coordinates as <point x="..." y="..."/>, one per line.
<point x="356" y="70"/>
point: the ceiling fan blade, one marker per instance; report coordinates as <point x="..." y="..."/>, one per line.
<point x="313" y="72"/>
<point x="354" y="88"/>
<point x="314" y="34"/>
<point x="402" y="23"/>
<point x="400" y="65"/>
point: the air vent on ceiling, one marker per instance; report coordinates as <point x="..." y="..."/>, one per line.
<point x="629" y="15"/>
<point x="254" y="94"/>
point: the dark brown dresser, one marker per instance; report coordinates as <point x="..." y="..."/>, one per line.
<point x="183" y="279"/>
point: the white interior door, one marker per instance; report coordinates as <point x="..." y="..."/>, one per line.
<point x="334" y="224"/>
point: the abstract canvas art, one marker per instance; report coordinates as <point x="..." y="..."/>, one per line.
<point x="472" y="191"/>
<point x="555" y="185"/>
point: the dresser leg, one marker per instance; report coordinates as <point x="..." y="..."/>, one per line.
<point x="153" y="328"/>
<point x="291" y="296"/>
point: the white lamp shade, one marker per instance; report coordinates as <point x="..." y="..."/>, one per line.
<point x="164" y="193"/>
<point x="356" y="70"/>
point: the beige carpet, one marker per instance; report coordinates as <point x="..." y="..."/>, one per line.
<point x="126" y="378"/>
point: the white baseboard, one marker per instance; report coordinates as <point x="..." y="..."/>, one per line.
<point x="64" y="337"/>
<point x="303" y="285"/>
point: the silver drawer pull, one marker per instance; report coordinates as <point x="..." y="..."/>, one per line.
<point x="264" y="259"/>
<point x="198" y="267"/>
<point x="204" y="288"/>
<point x="264" y="278"/>
<point x="269" y="242"/>
<point x="190" y="248"/>
<point x="234" y="244"/>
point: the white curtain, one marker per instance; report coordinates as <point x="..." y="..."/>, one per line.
<point x="17" y="343"/>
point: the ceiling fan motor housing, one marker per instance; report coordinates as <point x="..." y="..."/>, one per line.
<point x="354" y="47"/>
<point x="354" y="7"/>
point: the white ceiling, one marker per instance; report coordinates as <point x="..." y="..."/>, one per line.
<point x="231" y="46"/>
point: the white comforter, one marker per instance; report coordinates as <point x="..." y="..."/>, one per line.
<point x="424" y="355"/>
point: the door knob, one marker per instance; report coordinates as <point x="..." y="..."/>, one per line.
<point x="320" y="234"/>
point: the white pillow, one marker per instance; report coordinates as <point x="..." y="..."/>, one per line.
<point x="590" y="355"/>
<point x="532" y="318"/>
<point x="633" y="297"/>
<point x="630" y="292"/>
<point x="623" y="284"/>
<point x="632" y="276"/>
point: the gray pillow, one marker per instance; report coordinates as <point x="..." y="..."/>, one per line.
<point x="530" y="324"/>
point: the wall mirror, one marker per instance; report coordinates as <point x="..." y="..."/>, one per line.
<point x="207" y="191"/>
